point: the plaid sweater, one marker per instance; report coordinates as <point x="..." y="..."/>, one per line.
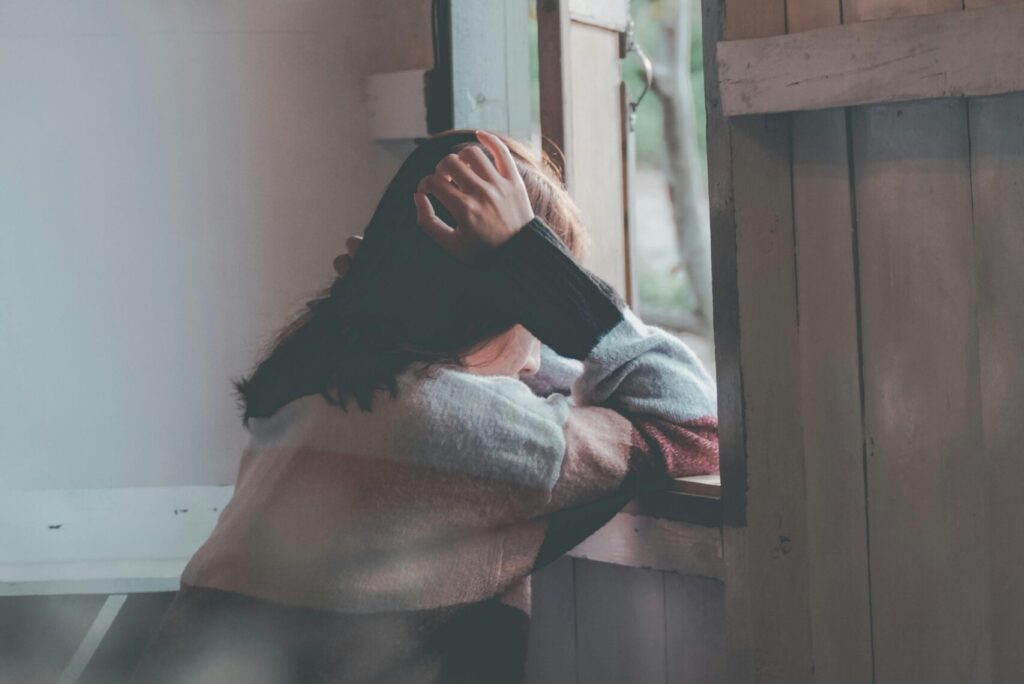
<point x="396" y="545"/>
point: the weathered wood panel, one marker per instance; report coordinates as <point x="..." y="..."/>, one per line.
<point x="553" y="82"/>
<point x="490" y="66"/>
<point x="642" y="541"/>
<point x="694" y="630"/>
<point x="766" y="563"/>
<point x="927" y="505"/>
<point x="869" y="10"/>
<point x="596" y="148"/>
<point x="997" y="171"/>
<point x="620" y="624"/>
<point x="775" y="567"/>
<point x="732" y="425"/>
<point x="830" y="388"/>
<point x="581" y="123"/>
<point x="551" y="651"/>
<point x="908" y="58"/>
<point x="610" y="14"/>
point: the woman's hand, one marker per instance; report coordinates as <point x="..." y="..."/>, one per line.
<point x="343" y="262"/>
<point x="488" y="200"/>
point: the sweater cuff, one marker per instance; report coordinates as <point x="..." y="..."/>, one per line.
<point x="535" y="279"/>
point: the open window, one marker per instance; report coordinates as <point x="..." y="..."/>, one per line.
<point x="624" y="125"/>
<point x="567" y="74"/>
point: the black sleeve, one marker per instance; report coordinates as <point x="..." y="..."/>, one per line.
<point x="535" y="279"/>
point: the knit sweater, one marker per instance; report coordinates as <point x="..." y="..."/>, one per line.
<point x="396" y="545"/>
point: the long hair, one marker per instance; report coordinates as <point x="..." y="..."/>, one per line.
<point x="403" y="300"/>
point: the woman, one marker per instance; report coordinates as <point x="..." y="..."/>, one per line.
<point x="403" y="479"/>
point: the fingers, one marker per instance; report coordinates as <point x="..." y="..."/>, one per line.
<point x="437" y="229"/>
<point x="464" y="176"/>
<point x="475" y="157"/>
<point x="342" y="262"/>
<point x="503" y="160"/>
<point x="450" y="196"/>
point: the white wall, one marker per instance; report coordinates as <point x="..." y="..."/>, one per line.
<point x="175" y="178"/>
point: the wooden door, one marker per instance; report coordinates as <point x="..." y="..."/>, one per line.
<point x="585" y="122"/>
<point x="866" y="160"/>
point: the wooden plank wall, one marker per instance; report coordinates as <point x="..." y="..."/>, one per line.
<point x="948" y="54"/>
<point x="908" y="253"/>
<point x="997" y="172"/>
<point x="756" y="339"/>
<point x="833" y="439"/>
<point x="926" y="508"/>
<point x="996" y="130"/>
<point x="596" y="623"/>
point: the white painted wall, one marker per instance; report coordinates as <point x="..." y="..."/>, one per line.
<point x="175" y="178"/>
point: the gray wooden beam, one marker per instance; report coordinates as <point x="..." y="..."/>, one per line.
<point x="963" y="53"/>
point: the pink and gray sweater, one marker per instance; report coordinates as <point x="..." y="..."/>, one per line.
<point x="396" y="545"/>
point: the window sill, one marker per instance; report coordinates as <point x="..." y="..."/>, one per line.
<point x="678" y="531"/>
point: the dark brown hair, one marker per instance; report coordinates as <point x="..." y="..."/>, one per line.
<point x="403" y="300"/>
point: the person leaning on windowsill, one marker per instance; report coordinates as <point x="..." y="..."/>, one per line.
<point x="413" y="459"/>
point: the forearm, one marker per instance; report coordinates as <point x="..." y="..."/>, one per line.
<point x="536" y="281"/>
<point x="557" y="374"/>
<point x="626" y="365"/>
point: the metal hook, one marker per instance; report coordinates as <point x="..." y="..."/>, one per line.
<point x="633" y="46"/>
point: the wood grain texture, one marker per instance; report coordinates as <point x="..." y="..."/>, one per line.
<point x="553" y="81"/>
<point x="705" y="511"/>
<point x="596" y="148"/>
<point x="830" y="388"/>
<point x="776" y="532"/>
<point x="640" y="541"/>
<point x="833" y="438"/>
<point x="805" y="15"/>
<point x="581" y="102"/>
<point x="751" y="19"/>
<point x="765" y="539"/>
<point x="551" y="651"/>
<point x="490" y="66"/>
<point x="630" y="224"/>
<point x="722" y="218"/>
<point x="620" y="626"/>
<point x="909" y="58"/>
<point x="609" y="14"/>
<point x="695" y="630"/>
<point x="869" y="10"/>
<point x="701" y="485"/>
<point x="997" y="172"/>
<point x="927" y="507"/>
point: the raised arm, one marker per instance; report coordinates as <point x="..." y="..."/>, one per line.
<point x="642" y="408"/>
